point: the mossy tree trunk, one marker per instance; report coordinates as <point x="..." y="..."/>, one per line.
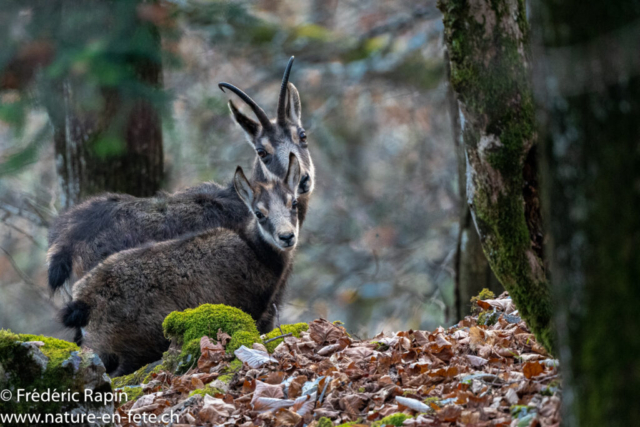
<point x="104" y="107"/>
<point x="472" y="272"/>
<point x="487" y="45"/>
<point x="589" y="92"/>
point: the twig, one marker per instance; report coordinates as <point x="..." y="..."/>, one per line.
<point x="21" y="273"/>
<point x="326" y="384"/>
<point x="36" y="219"/>
<point x="278" y="337"/>
<point x="21" y="231"/>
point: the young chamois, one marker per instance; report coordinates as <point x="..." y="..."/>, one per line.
<point x="122" y="302"/>
<point x="103" y="225"/>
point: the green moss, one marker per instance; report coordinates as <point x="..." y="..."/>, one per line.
<point x="325" y="422"/>
<point x="295" y="329"/>
<point x="392" y="420"/>
<point x="521" y="411"/>
<point x="207" y="390"/>
<point x="429" y="400"/>
<point x="141" y="376"/>
<point x="484" y="294"/>
<point x="242" y="338"/>
<point x="206" y="320"/>
<point x="488" y="317"/>
<point x="58" y="374"/>
<point x="155" y="370"/>
<point x="490" y="75"/>
<point x="187" y="327"/>
<point x="133" y="393"/>
<point x="234" y="366"/>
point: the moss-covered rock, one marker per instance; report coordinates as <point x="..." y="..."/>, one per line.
<point x="141" y="376"/>
<point x="206" y="320"/>
<point x="294" y="329"/>
<point x="187" y="327"/>
<point x="392" y="420"/>
<point x="132" y="393"/>
<point x="49" y="367"/>
<point x="241" y="338"/>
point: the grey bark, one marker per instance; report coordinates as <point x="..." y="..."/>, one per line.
<point x="472" y="272"/>
<point x="487" y="43"/>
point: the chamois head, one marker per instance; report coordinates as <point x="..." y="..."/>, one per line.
<point x="274" y="140"/>
<point x="274" y="205"/>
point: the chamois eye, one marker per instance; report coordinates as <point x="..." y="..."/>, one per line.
<point x="302" y="135"/>
<point x="259" y="215"/>
<point x="294" y="204"/>
<point x="261" y="153"/>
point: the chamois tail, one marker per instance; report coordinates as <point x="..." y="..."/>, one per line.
<point x="60" y="266"/>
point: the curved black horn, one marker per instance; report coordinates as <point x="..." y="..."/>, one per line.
<point x="283" y="93"/>
<point x="259" y="112"/>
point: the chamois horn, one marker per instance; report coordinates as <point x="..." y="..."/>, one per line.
<point x="259" y="112"/>
<point x="282" y="99"/>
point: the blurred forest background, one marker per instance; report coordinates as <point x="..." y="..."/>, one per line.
<point x="378" y="247"/>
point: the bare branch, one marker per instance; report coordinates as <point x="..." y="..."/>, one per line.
<point x="33" y="217"/>
<point x="21" y="231"/>
<point x="18" y="270"/>
<point x="290" y="334"/>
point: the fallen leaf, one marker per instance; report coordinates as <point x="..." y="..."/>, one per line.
<point x="532" y="369"/>
<point x="413" y="404"/>
<point x="253" y="358"/>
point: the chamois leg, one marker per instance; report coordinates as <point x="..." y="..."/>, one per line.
<point x="110" y="361"/>
<point x="125" y="367"/>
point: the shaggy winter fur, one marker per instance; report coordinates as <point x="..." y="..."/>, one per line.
<point x="101" y="226"/>
<point x="123" y="301"/>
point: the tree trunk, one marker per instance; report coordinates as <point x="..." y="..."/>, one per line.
<point x="472" y="272"/>
<point x="108" y="135"/>
<point x="487" y="45"/>
<point x="589" y="88"/>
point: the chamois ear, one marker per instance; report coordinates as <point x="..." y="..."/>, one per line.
<point x="250" y="127"/>
<point x="294" y="107"/>
<point x="293" y="174"/>
<point x="242" y="186"/>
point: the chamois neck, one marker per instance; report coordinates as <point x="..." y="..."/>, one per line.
<point x="272" y="258"/>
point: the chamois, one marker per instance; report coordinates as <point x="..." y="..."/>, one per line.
<point x="122" y="302"/>
<point x="88" y="233"/>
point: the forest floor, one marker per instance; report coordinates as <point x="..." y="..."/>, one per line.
<point x="469" y="374"/>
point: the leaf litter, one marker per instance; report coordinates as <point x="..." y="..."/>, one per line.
<point x="469" y="374"/>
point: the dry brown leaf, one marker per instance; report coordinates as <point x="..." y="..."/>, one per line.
<point x="267" y="390"/>
<point x="295" y="387"/>
<point x="215" y="410"/>
<point x="532" y="369"/>
<point x="322" y="331"/>
<point x="223" y="337"/>
<point x="476" y="361"/>
<point x="286" y="418"/>
<point x="450" y="413"/>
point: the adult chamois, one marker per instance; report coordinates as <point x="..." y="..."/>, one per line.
<point x="122" y="302"/>
<point x="88" y="233"/>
